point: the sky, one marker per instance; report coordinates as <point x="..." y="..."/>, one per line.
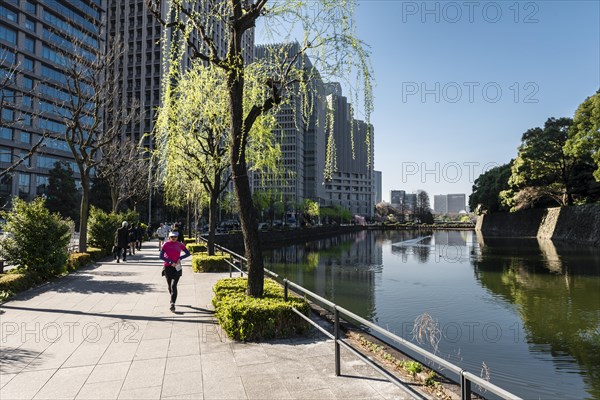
<point x="459" y="82"/>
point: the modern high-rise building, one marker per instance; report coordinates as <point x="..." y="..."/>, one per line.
<point x="449" y="203"/>
<point x="377" y="189"/>
<point x="351" y="184"/>
<point x="440" y="204"/>
<point x="301" y="138"/>
<point x="35" y="36"/>
<point x="397" y="198"/>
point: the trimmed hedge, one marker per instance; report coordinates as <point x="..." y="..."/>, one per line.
<point x="96" y="254"/>
<point x="202" y="262"/>
<point x="251" y="319"/>
<point x="196" y="247"/>
<point x="78" y="260"/>
<point x="189" y="240"/>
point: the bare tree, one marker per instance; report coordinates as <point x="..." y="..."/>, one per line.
<point x="91" y="118"/>
<point x="125" y="170"/>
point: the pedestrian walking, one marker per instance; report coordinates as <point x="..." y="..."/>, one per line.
<point x="139" y="236"/>
<point x="171" y="255"/>
<point x="161" y="234"/>
<point x="132" y="239"/>
<point x="122" y="241"/>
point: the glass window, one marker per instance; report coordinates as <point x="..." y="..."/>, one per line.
<point x="28" y="64"/>
<point x="8" y="34"/>
<point x="29" y="44"/>
<point x="7" y="14"/>
<point x="27" y="83"/>
<point x="5" y="133"/>
<point x="26" y="161"/>
<point x="29" y="24"/>
<point x="25" y="137"/>
<point x="5" y="154"/>
<point x="26" y="101"/>
<point x="26" y="119"/>
<point x="24" y="179"/>
<point x="41" y="184"/>
<point x="7" y="55"/>
<point x="8" y="114"/>
<point x="30" y="7"/>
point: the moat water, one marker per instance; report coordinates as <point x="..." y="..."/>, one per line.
<point x="525" y="311"/>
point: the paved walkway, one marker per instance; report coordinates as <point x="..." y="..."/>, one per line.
<point x="106" y="332"/>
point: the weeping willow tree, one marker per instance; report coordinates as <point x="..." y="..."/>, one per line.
<point x="192" y="138"/>
<point x="216" y="33"/>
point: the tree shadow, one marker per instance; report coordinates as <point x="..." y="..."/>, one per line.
<point x="15" y="359"/>
<point x="86" y="284"/>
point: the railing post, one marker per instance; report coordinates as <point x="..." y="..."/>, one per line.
<point x="285" y="290"/>
<point x="336" y="332"/>
<point x="241" y="268"/>
<point x="230" y="267"/>
<point x="465" y="387"/>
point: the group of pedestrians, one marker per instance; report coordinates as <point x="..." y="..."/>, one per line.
<point x="128" y="238"/>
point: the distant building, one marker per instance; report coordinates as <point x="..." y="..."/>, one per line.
<point x="449" y="203"/>
<point x="457" y="203"/>
<point x="440" y="204"/>
<point x="377" y="192"/>
<point x="397" y="198"/>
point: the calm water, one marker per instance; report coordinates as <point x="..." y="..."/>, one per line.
<point x="529" y="309"/>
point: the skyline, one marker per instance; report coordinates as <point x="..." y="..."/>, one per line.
<point x="470" y="78"/>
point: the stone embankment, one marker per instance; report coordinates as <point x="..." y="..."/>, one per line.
<point x="579" y="224"/>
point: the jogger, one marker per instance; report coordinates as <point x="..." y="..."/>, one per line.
<point x="171" y="255"/>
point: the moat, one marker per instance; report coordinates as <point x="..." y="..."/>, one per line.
<point x="528" y="309"/>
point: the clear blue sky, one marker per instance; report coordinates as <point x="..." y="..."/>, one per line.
<point x="459" y="82"/>
<point x="550" y="50"/>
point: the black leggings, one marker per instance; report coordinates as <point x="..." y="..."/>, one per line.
<point x="172" y="280"/>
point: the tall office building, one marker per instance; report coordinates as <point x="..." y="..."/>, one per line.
<point x="397" y="198"/>
<point x="377" y="190"/>
<point x="34" y="38"/>
<point x="457" y="203"/>
<point x="351" y="186"/>
<point x="141" y="63"/>
<point x="301" y="138"/>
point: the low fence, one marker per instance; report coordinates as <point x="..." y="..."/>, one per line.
<point x="464" y="378"/>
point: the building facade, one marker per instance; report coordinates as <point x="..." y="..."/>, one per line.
<point x="34" y="38"/>
<point x="377" y="189"/>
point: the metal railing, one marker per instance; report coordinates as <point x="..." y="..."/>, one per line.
<point x="465" y="379"/>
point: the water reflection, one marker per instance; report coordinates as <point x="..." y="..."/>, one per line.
<point x="544" y="296"/>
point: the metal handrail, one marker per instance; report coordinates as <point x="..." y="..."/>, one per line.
<point x="465" y="378"/>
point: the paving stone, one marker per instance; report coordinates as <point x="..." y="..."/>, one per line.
<point x="108" y="390"/>
<point x="26" y="384"/>
<point x="65" y="383"/>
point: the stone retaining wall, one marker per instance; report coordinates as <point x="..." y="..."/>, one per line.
<point x="576" y="224"/>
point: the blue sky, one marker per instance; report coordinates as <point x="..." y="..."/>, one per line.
<point x="459" y="82"/>
<point x="545" y="59"/>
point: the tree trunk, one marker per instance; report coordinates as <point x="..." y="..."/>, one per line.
<point x="84" y="214"/>
<point x="241" y="184"/>
<point x="212" y="214"/>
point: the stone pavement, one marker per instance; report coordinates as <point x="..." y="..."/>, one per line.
<point x="106" y="332"/>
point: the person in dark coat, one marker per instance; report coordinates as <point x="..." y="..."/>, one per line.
<point x="139" y="235"/>
<point x="122" y="241"/>
<point x="132" y="239"/>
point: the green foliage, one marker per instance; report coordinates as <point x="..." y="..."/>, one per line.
<point x="78" y="260"/>
<point x="254" y="319"/>
<point x="96" y="253"/>
<point x="196" y="247"/>
<point x="336" y="214"/>
<point x="38" y="239"/>
<point x="16" y="281"/>
<point x="189" y="240"/>
<point x="102" y="226"/>
<point x="202" y="262"/>
<point x="62" y="195"/>
<point x="584" y="136"/>
<point x="544" y="173"/>
<point x="487" y="188"/>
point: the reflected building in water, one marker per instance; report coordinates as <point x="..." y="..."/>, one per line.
<point x="319" y="266"/>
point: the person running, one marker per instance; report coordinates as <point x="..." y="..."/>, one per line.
<point x="171" y="255"/>
<point x="161" y="234"/>
<point x="122" y="241"/>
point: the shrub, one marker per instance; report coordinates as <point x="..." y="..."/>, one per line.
<point x="189" y="240"/>
<point x="196" y="247"/>
<point x="17" y="280"/>
<point x="204" y="263"/>
<point x="251" y="319"/>
<point x="96" y="253"/>
<point x="38" y="239"/>
<point x="102" y="227"/>
<point x="78" y="260"/>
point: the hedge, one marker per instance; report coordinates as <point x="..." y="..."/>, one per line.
<point x="78" y="260"/>
<point x="251" y="319"/>
<point x="96" y="254"/>
<point x="202" y="262"/>
<point x="189" y="240"/>
<point x="196" y="247"/>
